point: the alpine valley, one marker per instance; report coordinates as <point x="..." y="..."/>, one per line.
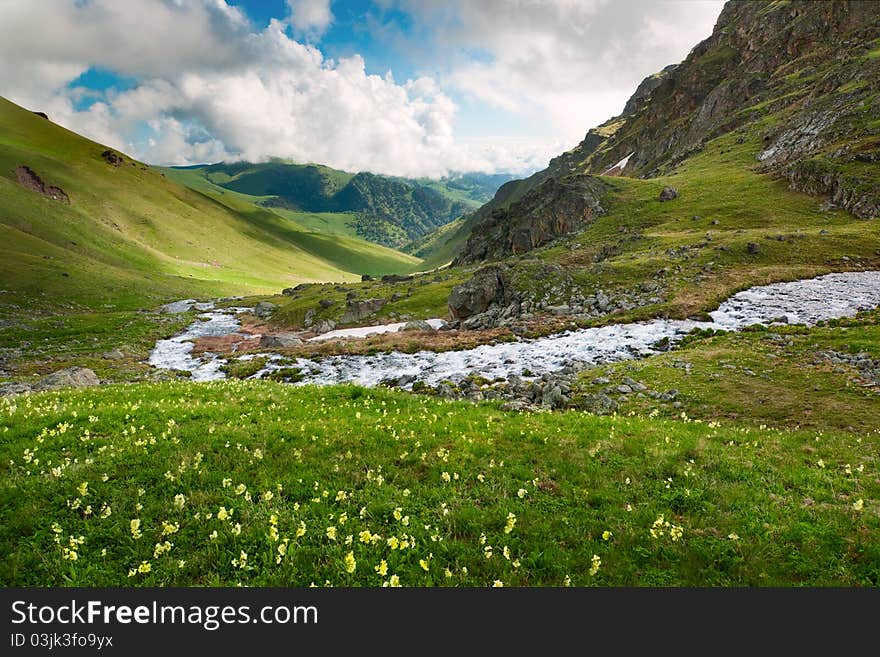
<point x="655" y="362"/>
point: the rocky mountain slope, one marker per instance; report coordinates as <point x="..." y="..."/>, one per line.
<point x="803" y="76"/>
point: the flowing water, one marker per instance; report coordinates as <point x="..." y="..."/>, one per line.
<point x="797" y="302"/>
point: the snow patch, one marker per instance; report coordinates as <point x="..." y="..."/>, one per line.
<point x="364" y="331"/>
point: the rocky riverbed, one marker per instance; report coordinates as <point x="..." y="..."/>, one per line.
<point x="531" y="372"/>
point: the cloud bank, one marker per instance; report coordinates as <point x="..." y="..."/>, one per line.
<point x="211" y="86"/>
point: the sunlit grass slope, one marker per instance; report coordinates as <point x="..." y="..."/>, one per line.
<point x="131" y="237"/>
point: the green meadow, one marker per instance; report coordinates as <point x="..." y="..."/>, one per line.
<point x="259" y="483"/>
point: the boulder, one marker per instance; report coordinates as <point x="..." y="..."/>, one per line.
<point x="634" y="385"/>
<point x="365" y="278"/>
<point x="324" y="326"/>
<point x="668" y="193"/>
<point x="177" y="307"/>
<point x="113" y="354"/>
<point x="753" y="248"/>
<point x="73" y="377"/>
<point x="395" y="278"/>
<point x="358" y="310"/>
<point x="473" y="297"/>
<point x="264" y="309"/>
<point x="600" y="404"/>
<point x="417" y="325"/>
<point x="14" y="389"/>
<point x="112" y="157"/>
<point x="326" y="303"/>
<point x="280" y="341"/>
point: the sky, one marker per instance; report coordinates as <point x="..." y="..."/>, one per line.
<point x="398" y="87"/>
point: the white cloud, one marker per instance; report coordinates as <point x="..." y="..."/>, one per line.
<point x="310" y="17"/>
<point x="568" y="63"/>
<point x="211" y="86"/>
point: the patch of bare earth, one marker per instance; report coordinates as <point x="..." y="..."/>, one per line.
<point x="29" y="179"/>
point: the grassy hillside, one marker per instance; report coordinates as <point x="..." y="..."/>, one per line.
<point x="382" y="209"/>
<point x="326" y="235"/>
<point x="257" y="483"/>
<point x="131" y="238"/>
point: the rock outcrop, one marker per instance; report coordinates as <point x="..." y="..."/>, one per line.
<point x="73" y="377"/>
<point x="28" y="178"/>
<point x="486" y="288"/>
<point x="112" y="158"/>
<point x="264" y="309"/>
<point x="356" y="311"/>
<point x="556" y="207"/>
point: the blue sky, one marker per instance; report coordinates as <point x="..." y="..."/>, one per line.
<point x="407" y="87"/>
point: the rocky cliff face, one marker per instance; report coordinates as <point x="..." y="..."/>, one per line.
<point x="806" y="72"/>
<point x="558" y="206"/>
<point x="759" y="52"/>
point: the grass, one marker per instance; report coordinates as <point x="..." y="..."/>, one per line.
<point x="34" y="347"/>
<point x="440" y="247"/>
<point x="328" y="235"/>
<point x="772" y="376"/>
<point x="131" y="238"/>
<point x="424" y="297"/>
<point x="258" y="483"/>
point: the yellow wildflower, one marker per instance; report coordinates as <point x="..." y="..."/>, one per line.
<point x="595" y="562"/>
<point x="382" y="568"/>
<point x="350" y="563"/>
